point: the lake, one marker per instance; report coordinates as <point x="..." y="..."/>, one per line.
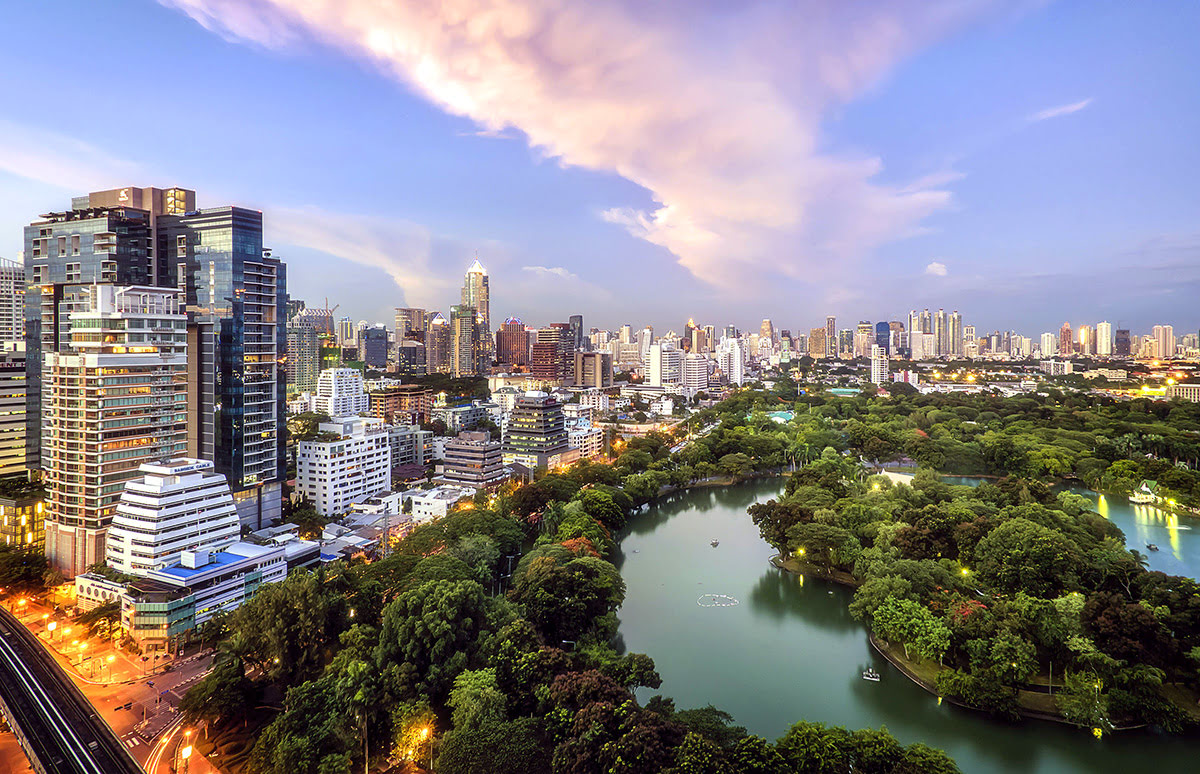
<point x="789" y="649"/>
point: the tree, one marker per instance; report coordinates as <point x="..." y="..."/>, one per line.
<point x="1020" y="555"/>
<point x="507" y="747"/>
<point x="21" y="570"/>
<point x="564" y="600"/>
<point x="1082" y="700"/>
<point x="224" y="695"/>
<point x="479" y="552"/>
<point x="823" y="544"/>
<point x="755" y="755"/>
<point x="285" y="626"/>
<point x="435" y="631"/>
<point x="812" y="747"/>
<point x="476" y="700"/>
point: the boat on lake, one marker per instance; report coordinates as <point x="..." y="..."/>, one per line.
<point x="870" y="675"/>
<point x="715" y="543"/>
<point x="1151" y="547"/>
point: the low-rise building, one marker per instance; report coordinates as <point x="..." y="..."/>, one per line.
<point x="459" y="418"/>
<point x="432" y="504"/>
<point x="588" y="440"/>
<point x="1184" y="392"/>
<point x="22" y="522"/>
<point x="410" y="445"/>
<point x="348" y="462"/>
<point x="474" y="459"/>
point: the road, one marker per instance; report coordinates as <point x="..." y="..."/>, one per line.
<point x="63" y="730"/>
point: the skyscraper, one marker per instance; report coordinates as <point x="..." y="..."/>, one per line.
<point x="12" y="302"/>
<point x="237" y="336"/>
<point x="817" y="347"/>
<point x="1104" y="339"/>
<point x="1164" y="341"/>
<point x="1121" y="343"/>
<point x="767" y="331"/>
<point x="374" y="352"/>
<point x="1049" y="344"/>
<point x="438" y="343"/>
<point x="883" y="336"/>
<point x="955" y="333"/>
<point x="576" y="323"/>
<point x="477" y="295"/>
<point x="512" y="343"/>
<point x="464" y="347"/>
<point x="1066" y="340"/>
<point x="879" y="365"/>
<point x="1087" y="340"/>
<point x="730" y="360"/>
<point x="941" y="330"/>
<point x="864" y="337"/>
<point x="303" y="355"/>
<point x="410" y="323"/>
<point x="115" y="397"/>
<point x="831" y="341"/>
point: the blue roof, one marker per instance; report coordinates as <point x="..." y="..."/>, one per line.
<point x="214" y="560"/>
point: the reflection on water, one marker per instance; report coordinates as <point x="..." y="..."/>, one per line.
<point x="791" y="651"/>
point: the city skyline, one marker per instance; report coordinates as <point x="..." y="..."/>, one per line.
<point x="922" y="155"/>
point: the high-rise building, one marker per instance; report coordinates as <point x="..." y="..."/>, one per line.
<point x="831" y="339"/>
<point x="593" y="369"/>
<point x="941" y="330"/>
<point x="474" y="459"/>
<point x="925" y="322"/>
<point x="537" y="432"/>
<point x="1104" y="339"/>
<point x="1087" y="340"/>
<point x="883" y="336"/>
<point x="410" y="323"/>
<point x="547" y="360"/>
<point x="1066" y="340"/>
<point x="731" y="360"/>
<point x="13" y="397"/>
<point x="12" y="301"/>
<point x="695" y="373"/>
<point x="626" y="334"/>
<point x="955" y="333"/>
<point x="340" y="393"/>
<point x="237" y="337"/>
<point x="476" y="294"/>
<point x="1164" y="341"/>
<point x="914" y="322"/>
<point x="766" y="331"/>
<point x="1121" y="343"/>
<point x="374" y="348"/>
<point x="645" y="338"/>
<point x="1049" y="344"/>
<point x="170" y="507"/>
<point x="348" y="464"/>
<point x="438" y="343"/>
<point x="401" y="404"/>
<point x="575" y="323"/>
<point x="344" y="332"/>
<point x="23" y="522"/>
<point x="464" y="347"/>
<point x="115" y="397"/>
<point x="864" y="337"/>
<point x="303" y="355"/>
<point x="879" y="365"/>
<point x="665" y="366"/>
<point x="512" y="343"/>
<point x="817" y="348"/>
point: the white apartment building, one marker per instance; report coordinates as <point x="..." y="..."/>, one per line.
<point x="731" y="361"/>
<point x="340" y="393"/>
<point x="695" y="373"/>
<point x="432" y="504"/>
<point x="879" y="364"/>
<point x="174" y="506"/>
<point x="665" y="364"/>
<point x="1049" y="345"/>
<point x="1104" y="339"/>
<point x="596" y="400"/>
<point x="335" y="474"/>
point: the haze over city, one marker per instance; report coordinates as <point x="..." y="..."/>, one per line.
<point x="1025" y="163"/>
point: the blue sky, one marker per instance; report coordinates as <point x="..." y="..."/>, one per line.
<point x="1026" y="163"/>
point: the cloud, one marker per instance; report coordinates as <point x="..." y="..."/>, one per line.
<point x="717" y="114"/>
<point x="936" y="269"/>
<point x="1061" y="110"/>
<point x="60" y="160"/>
<point x="553" y="271"/>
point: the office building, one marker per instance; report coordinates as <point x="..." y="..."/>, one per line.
<point x="817" y="346"/>
<point x="336" y="473"/>
<point x="340" y="393"/>
<point x="1066" y="340"/>
<point x="410" y="323"/>
<point x="537" y="433"/>
<point x="410" y="358"/>
<point x="1087" y="340"/>
<point x="439" y="341"/>
<point x="373" y="350"/>
<point x="22" y="522"/>
<point x="575" y="326"/>
<point x="237" y="337"/>
<point x="830" y="339"/>
<point x="115" y="397"/>
<point x="410" y="446"/>
<point x="766" y="331"/>
<point x="171" y="507"/>
<point x="548" y="359"/>
<point x="13" y="400"/>
<point x="464" y="346"/>
<point x="954" y="328"/>
<point x="401" y="404"/>
<point x="864" y="337"/>
<point x="474" y="459"/>
<point x="12" y="302"/>
<point x="512" y="343"/>
<point x="476" y="295"/>
<point x="303" y="354"/>
<point x="883" y="336"/>
<point x="1189" y="392"/>
<point x="593" y="369"/>
<point x="665" y="366"/>
<point x="941" y="330"/>
<point x="1121" y="343"/>
<point x="162" y="610"/>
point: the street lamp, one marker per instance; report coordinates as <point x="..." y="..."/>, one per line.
<point x="51" y="627"/>
<point x="186" y="752"/>
<point x="425" y="735"/>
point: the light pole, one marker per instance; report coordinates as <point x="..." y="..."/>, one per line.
<point x="50" y="627"/>
<point x="426" y="735"/>
<point x="186" y="753"/>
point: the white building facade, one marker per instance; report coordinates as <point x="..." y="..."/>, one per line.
<point x="340" y="393"/>
<point x="335" y="474"/>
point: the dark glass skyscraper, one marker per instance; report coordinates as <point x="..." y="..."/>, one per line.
<point x="883" y="336"/>
<point x="237" y="340"/>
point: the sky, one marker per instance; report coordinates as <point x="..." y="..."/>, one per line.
<point x="1026" y="163"/>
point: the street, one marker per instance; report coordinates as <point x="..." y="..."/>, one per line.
<point x="138" y="699"/>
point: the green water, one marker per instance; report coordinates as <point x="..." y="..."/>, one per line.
<point x="789" y="650"/>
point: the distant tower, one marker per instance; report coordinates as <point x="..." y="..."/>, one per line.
<point x="1066" y="340"/>
<point x="831" y="345"/>
<point x="477" y="295"/>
